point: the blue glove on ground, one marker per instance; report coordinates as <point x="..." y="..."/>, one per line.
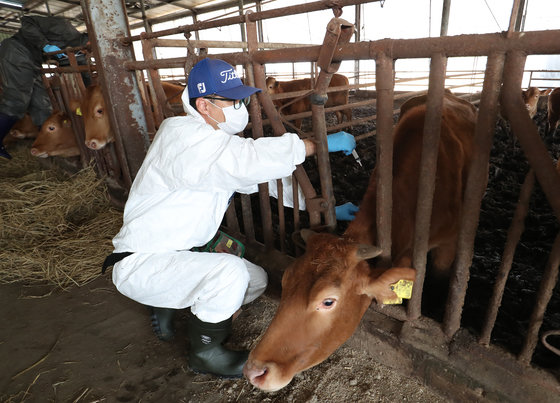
<point x="341" y="141"/>
<point x="53" y="48"/>
<point x="346" y="211"/>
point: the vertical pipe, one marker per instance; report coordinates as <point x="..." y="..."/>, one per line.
<point x="548" y="282"/>
<point x="445" y="17"/>
<point x="256" y="119"/>
<point x="385" y="92"/>
<point x="474" y="191"/>
<point x="520" y="18"/>
<point x="107" y="21"/>
<point x="514" y="17"/>
<point x="426" y="181"/>
<point x="278" y="127"/>
<point x="514" y="235"/>
<point x="358" y="38"/>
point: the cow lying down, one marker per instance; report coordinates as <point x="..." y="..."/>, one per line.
<point x="326" y="291"/>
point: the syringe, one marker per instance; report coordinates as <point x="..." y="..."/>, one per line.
<point x="357" y="157"/>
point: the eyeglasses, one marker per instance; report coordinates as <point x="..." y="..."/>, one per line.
<point x="236" y="102"/>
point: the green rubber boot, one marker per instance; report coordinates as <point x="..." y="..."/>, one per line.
<point x="162" y="322"/>
<point x="206" y="353"/>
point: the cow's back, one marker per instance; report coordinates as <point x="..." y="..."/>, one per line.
<point x="454" y="156"/>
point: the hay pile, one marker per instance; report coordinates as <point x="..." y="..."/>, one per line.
<point x="55" y="229"/>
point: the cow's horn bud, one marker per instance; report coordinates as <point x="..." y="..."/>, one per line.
<point x="365" y="252"/>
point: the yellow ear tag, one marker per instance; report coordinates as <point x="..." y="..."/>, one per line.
<point x="78" y="111"/>
<point x="64" y="121"/>
<point x="403" y="289"/>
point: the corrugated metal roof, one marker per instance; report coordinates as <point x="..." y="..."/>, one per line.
<point x="10" y="14"/>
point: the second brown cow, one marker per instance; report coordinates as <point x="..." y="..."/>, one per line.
<point x="335" y="98"/>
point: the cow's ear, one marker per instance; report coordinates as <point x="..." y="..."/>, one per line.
<point x="546" y="92"/>
<point x="382" y="287"/>
<point x="366" y="252"/>
<point x="74" y="105"/>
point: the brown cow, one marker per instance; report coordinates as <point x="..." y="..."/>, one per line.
<point x="56" y="138"/>
<point x="304" y="105"/>
<point x="531" y="99"/>
<point x="96" y="121"/>
<point x="24" y="128"/>
<point x="326" y="291"/>
<point x="553" y="111"/>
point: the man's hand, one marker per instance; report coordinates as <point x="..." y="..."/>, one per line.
<point x="341" y="141"/>
<point x="53" y="48"/>
<point x="346" y="211"/>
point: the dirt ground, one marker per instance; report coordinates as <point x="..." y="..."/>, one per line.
<point x="91" y="344"/>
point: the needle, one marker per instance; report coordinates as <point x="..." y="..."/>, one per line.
<point x="357" y="157"/>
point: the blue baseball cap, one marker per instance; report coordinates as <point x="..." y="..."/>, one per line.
<point x="216" y="77"/>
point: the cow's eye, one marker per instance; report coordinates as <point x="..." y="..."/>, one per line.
<point x="51" y="128"/>
<point x="327" y="303"/>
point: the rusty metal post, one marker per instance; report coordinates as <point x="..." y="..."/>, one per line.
<point x="548" y="282"/>
<point x="426" y="181"/>
<point x="384" y="86"/>
<point x="312" y="201"/>
<point x="474" y="192"/>
<point x="257" y="129"/>
<point x="107" y="20"/>
<point x="526" y="131"/>
<point x="338" y="33"/>
<point x="513" y="236"/>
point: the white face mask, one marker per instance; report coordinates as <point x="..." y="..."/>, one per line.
<point x="236" y="119"/>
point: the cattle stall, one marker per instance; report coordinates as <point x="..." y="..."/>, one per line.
<point x="401" y="336"/>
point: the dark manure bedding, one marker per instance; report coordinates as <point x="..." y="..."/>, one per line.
<point x="508" y="168"/>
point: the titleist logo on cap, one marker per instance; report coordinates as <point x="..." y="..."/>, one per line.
<point x="227" y="75"/>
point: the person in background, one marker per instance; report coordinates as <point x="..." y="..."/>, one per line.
<point x="21" y="57"/>
<point x="177" y="203"/>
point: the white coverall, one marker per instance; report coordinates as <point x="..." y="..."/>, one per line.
<point x="178" y="201"/>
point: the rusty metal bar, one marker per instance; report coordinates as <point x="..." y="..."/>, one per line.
<point x="474" y="192"/>
<point x="525" y="130"/>
<point x="256" y="118"/>
<point x="338" y="32"/>
<point x="250" y="17"/>
<point x="153" y="83"/>
<point x="513" y="236"/>
<point x="548" y="282"/>
<point x="231" y="218"/>
<point x="108" y="18"/>
<point x="384" y="148"/>
<point x="426" y="181"/>
<point x="270" y="110"/>
<point x="281" y="216"/>
<point x="247" y="213"/>
<point x="513" y="17"/>
<point x="533" y="42"/>
<point x="182" y="43"/>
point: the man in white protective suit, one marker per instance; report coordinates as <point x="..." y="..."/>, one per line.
<point x="176" y="205"/>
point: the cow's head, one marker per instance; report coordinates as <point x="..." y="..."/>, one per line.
<point x="272" y="85"/>
<point x="56" y="138"/>
<point x="96" y="120"/>
<point x="325" y="293"/>
<point x="531" y="98"/>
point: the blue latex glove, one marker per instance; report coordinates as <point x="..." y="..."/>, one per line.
<point x="346" y="211"/>
<point x="53" y="48"/>
<point x="341" y="141"/>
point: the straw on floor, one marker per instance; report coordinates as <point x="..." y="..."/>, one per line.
<point x="55" y="229"/>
